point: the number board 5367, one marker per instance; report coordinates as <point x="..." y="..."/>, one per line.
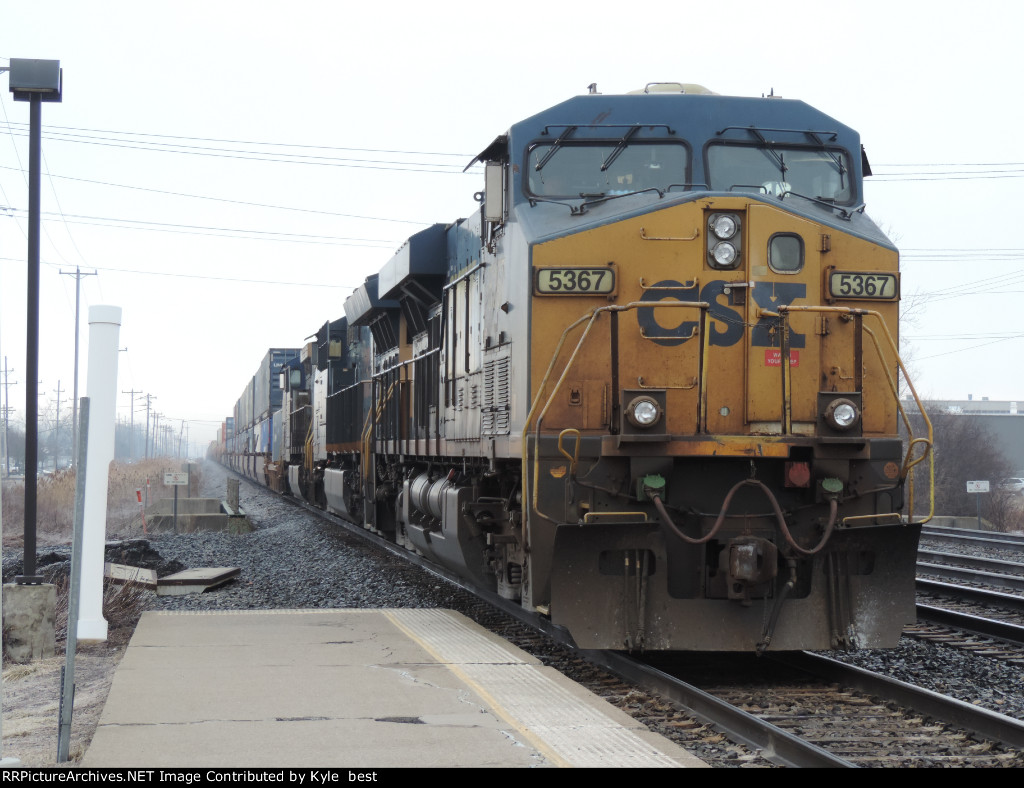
<point x="863" y="286"/>
<point x="572" y="280"/>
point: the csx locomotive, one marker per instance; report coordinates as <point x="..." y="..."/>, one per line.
<point x="648" y="388"/>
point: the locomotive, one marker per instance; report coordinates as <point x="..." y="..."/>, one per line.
<point x="649" y="388"/>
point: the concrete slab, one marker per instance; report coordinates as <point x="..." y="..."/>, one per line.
<point x="195" y="581"/>
<point x="121" y="574"/>
<point x="352" y="688"/>
<point x="165" y="506"/>
<point x="194" y="514"/>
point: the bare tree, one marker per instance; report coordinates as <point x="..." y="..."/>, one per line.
<point x="965" y="450"/>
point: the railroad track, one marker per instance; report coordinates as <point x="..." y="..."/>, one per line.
<point x="1000" y="541"/>
<point x="823" y="722"/>
<point x="973" y="572"/>
<point x="818" y="712"/>
<point x="970" y="634"/>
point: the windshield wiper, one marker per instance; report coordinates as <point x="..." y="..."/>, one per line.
<point x="590" y="199"/>
<point x="605" y="198"/>
<point x="831" y="154"/>
<point x="619" y="148"/>
<point x="554" y="147"/>
<point x="844" y="213"/>
<point x="770" y="152"/>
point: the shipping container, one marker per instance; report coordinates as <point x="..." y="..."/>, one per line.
<point x="267" y="382"/>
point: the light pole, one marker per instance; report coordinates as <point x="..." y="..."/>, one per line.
<point x="34" y="81"/>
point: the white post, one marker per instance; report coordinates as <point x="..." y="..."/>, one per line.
<point x="101" y="388"/>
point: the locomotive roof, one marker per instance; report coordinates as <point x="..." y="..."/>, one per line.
<point x="697" y="117"/>
<point x="694" y="116"/>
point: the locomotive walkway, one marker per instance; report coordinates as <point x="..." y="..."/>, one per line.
<point x="354" y="689"/>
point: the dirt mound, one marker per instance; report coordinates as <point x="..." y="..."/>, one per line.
<point x="139" y="552"/>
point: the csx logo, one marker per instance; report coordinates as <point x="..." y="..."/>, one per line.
<point x="727" y="325"/>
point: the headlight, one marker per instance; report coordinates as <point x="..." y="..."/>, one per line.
<point x="842" y="414"/>
<point x="724" y="254"/>
<point x="643" y="412"/>
<point x="724" y="226"/>
<point x="724" y="240"/>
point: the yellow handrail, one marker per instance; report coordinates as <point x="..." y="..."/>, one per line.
<point x="373" y="415"/>
<point x="590" y="318"/>
<point x="308" y="447"/>
<point x="573" y="458"/>
<point x="908" y="461"/>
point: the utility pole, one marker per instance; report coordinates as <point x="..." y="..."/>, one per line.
<point x="7" y="419"/>
<point x="56" y="432"/>
<point x="74" y="413"/>
<point x="149" y="399"/>
<point x="131" y="435"/>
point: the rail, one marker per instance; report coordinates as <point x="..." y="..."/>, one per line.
<point x="918" y="448"/>
<point x="373" y="415"/>
<point x="590" y="318"/>
<point x="909" y="460"/>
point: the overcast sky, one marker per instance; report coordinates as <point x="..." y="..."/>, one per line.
<point x="233" y="170"/>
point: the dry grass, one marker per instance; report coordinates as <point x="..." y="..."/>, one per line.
<point x="123" y="604"/>
<point x="55" y="502"/>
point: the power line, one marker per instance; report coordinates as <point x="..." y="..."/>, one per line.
<point x="247" y="155"/>
<point x="222" y="232"/>
<point x="972" y="347"/>
<point x="958" y="164"/>
<point x="249" y="142"/>
<point x="233" y="202"/>
<point x="940" y="177"/>
<point x="201" y="277"/>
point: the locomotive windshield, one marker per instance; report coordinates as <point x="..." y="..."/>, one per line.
<point x="822" y="174"/>
<point x="598" y="169"/>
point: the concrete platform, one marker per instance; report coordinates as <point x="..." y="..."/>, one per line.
<point x="353" y="688"/>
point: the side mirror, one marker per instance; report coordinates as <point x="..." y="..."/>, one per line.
<point x="494" y="193"/>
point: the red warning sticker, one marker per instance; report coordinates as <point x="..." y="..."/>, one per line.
<point x="773" y="357"/>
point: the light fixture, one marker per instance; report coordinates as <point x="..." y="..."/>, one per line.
<point x="724" y="226"/>
<point x="724" y="240"/>
<point x="724" y="254"/>
<point x="842" y="414"/>
<point x="643" y="412"/>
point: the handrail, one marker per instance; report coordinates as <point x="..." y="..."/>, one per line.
<point x="373" y="414"/>
<point x="307" y="459"/>
<point x="531" y="498"/>
<point x="573" y="458"/>
<point x="909" y="462"/>
<point x="590" y="318"/>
